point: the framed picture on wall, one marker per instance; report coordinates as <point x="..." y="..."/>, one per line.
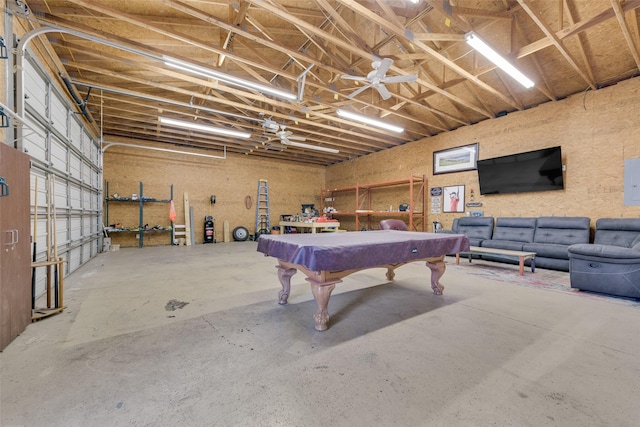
<point x="453" y="199"/>
<point x="456" y="159"/>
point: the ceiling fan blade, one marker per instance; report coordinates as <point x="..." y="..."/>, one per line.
<point x="273" y="147"/>
<point x="385" y="64"/>
<point x="400" y="79"/>
<point x="350" y="77"/>
<point x="384" y="93"/>
<point x="296" y="138"/>
<point x="358" y="91"/>
<point x="284" y="134"/>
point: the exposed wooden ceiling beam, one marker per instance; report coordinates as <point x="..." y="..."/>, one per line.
<point x="349" y="47"/>
<point x="466" y="11"/>
<point x="576" y="28"/>
<point x="583" y="52"/>
<point x="615" y="4"/>
<point x="343" y="25"/>
<point x="542" y="84"/>
<point x="127" y="104"/>
<point x="324" y="36"/>
<point x="385" y="140"/>
<point x="535" y="16"/>
<point x="400" y="32"/>
<point x="273" y="42"/>
<point x="237" y="21"/>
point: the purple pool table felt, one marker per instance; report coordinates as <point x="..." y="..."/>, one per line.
<point x="358" y="250"/>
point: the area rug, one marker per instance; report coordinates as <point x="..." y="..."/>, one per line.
<point x="551" y="280"/>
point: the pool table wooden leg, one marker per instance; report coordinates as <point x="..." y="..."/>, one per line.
<point x="437" y="267"/>
<point x="321" y="293"/>
<point x="284" y="274"/>
<point x="391" y="269"/>
<point x="390" y="273"/>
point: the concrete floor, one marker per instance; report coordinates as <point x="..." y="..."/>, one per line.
<point x="486" y="353"/>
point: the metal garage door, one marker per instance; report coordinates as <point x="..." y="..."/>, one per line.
<point x="66" y="166"/>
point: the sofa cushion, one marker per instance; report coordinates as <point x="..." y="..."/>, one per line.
<point x="503" y="244"/>
<point x="562" y="230"/>
<point x="514" y="229"/>
<point x="621" y="232"/>
<point x="552" y="263"/>
<point x="547" y="250"/>
<point x="476" y="229"/>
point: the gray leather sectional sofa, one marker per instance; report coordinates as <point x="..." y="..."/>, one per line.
<point x="610" y="265"/>
<point x="549" y="237"/>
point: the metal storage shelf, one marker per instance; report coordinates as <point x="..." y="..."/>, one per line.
<point x="363" y="194"/>
<point x="140" y="230"/>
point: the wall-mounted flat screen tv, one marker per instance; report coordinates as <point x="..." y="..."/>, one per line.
<point x="539" y="170"/>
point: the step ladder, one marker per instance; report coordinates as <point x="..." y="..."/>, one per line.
<point x="263" y="221"/>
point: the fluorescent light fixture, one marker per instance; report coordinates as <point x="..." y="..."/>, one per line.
<point x="369" y="121"/>
<point x="204" y="128"/>
<point x="209" y="73"/>
<point x="474" y="41"/>
<point x="310" y="147"/>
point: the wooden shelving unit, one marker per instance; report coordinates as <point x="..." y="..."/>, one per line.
<point x="371" y="202"/>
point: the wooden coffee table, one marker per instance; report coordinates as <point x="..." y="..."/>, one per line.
<point x="520" y="255"/>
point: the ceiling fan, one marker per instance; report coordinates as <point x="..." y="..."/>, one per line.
<point x="286" y="138"/>
<point x="378" y="77"/>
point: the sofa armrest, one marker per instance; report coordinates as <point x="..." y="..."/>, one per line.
<point x="447" y="232"/>
<point x="603" y="251"/>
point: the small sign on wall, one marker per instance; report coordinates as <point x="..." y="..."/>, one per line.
<point x="436" y="200"/>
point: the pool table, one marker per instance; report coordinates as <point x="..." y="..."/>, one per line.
<point x="326" y="258"/>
